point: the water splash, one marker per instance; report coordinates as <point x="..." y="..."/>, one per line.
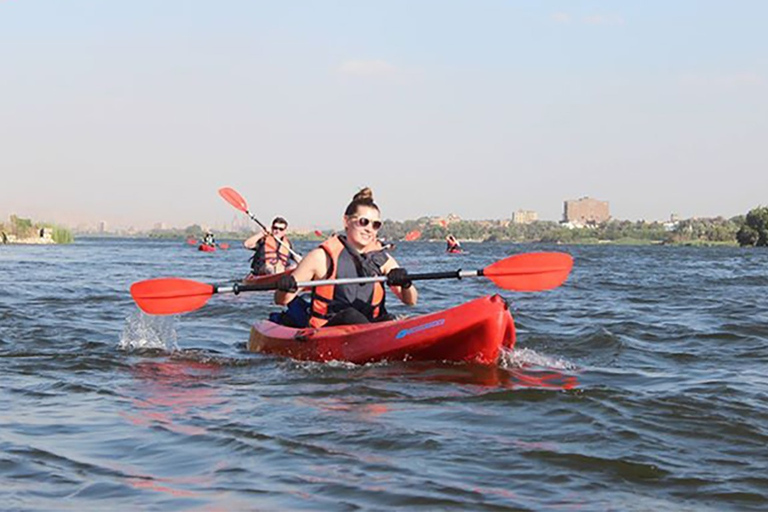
<point x="148" y="332"/>
<point x="527" y="368"/>
<point x="525" y="357"/>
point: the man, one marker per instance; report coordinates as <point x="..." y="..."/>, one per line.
<point x="272" y="251"/>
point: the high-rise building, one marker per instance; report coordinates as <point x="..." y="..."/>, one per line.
<point x="585" y="211"/>
<point x="524" y="217"/>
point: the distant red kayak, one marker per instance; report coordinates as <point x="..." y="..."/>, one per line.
<point x="412" y="236"/>
<point x="206" y="248"/>
<point x="472" y="332"/>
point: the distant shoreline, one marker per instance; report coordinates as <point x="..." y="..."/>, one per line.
<point x="625" y="242"/>
<point x="19" y="231"/>
<point x="29" y="241"/>
<point x="10" y="239"/>
<point x="693" y="232"/>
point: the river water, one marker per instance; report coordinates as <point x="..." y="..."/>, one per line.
<point x="640" y="384"/>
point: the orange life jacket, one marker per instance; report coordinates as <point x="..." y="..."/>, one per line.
<point x="275" y="252"/>
<point x="268" y="254"/>
<point x="323" y="296"/>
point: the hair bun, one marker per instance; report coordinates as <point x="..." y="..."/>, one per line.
<point x="365" y="194"/>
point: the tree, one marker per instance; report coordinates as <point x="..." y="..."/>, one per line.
<point x="754" y="231"/>
<point x="193" y="231"/>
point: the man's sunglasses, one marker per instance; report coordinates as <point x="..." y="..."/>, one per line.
<point x="364" y="221"/>
<point x="279" y="228"/>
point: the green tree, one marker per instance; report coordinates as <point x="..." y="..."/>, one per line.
<point x="193" y="231"/>
<point x="754" y="231"/>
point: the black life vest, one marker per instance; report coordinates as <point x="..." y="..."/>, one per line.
<point x="367" y="298"/>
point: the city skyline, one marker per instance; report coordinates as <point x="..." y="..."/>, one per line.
<point x="137" y="113"/>
<point x="241" y="223"/>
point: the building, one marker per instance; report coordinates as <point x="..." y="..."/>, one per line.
<point x="524" y="217"/>
<point x="585" y="212"/>
<point x="444" y="221"/>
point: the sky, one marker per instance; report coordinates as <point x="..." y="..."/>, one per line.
<point x="137" y="112"/>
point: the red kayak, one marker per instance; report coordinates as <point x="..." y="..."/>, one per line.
<point x="206" y="248"/>
<point x="472" y="332"/>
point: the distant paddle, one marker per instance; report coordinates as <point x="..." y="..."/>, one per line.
<point x="529" y="272"/>
<point x="412" y="236"/>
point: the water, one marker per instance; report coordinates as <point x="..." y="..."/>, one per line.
<point x="639" y="385"/>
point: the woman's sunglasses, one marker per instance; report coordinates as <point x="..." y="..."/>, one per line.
<point x="364" y="221"/>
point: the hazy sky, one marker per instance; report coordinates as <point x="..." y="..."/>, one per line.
<point x="137" y="111"/>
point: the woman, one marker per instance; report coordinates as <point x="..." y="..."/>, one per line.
<point x="357" y="253"/>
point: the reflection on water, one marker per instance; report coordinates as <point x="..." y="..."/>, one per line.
<point x="167" y="392"/>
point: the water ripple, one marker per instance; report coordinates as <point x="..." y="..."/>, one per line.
<point x="638" y="385"/>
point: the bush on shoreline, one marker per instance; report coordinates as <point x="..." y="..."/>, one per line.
<point x="21" y="229"/>
<point x="754" y="230"/>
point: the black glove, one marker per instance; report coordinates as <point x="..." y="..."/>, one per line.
<point x="399" y="277"/>
<point x="287" y="284"/>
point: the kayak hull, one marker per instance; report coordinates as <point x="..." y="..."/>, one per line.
<point x="206" y="248"/>
<point x="472" y="332"/>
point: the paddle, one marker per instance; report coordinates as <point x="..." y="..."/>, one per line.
<point x="231" y="196"/>
<point x="412" y="236"/>
<point x="529" y="272"/>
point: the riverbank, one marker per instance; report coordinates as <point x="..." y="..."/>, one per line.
<point x="20" y="231"/>
<point x="12" y="240"/>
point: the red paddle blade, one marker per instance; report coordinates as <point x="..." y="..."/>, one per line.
<point x="224" y="246"/>
<point x="530" y="272"/>
<point x="191" y="241"/>
<point x="232" y="197"/>
<point x="318" y="233"/>
<point x="412" y="236"/>
<point x="169" y="296"/>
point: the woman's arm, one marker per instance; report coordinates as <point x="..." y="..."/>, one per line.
<point x="313" y="266"/>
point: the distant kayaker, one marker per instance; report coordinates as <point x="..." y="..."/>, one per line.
<point x="357" y="253"/>
<point x="209" y="239"/>
<point x="272" y="251"/>
<point x="452" y="245"/>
